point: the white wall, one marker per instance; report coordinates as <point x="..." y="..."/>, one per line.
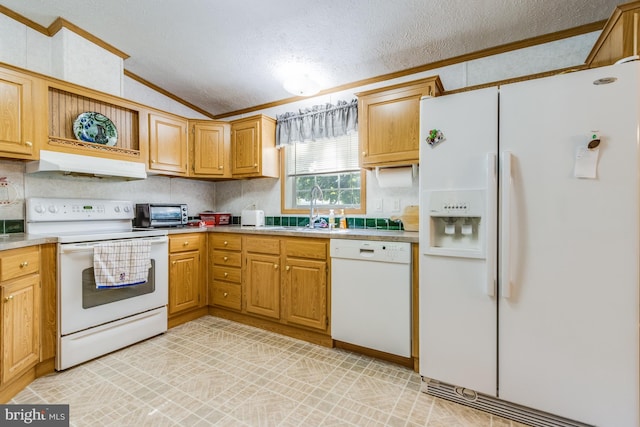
<point x="23" y="47"/>
<point x="77" y="60"/>
<point x="143" y="94"/>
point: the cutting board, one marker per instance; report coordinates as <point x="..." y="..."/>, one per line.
<point x="410" y="218"/>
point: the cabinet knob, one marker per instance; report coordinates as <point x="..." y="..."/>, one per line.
<point x="174" y="263"/>
<point x="24" y="264"/>
<point x="9" y="298"/>
<point x="28" y="144"/>
<point x="220" y="167"/>
<point x="275" y="266"/>
<point x="153" y="161"/>
<point x="225" y="294"/>
<point x="364" y="153"/>
<point x="225" y="243"/>
<point x="226" y="258"/>
<point x="255" y="165"/>
<point x="185" y="244"/>
<point x="226" y="274"/>
<point x="288" y="268"/>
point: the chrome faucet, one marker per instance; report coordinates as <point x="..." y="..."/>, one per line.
<point x="316" y="192"/>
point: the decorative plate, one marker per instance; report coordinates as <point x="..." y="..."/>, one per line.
<point x="94" y="127"/>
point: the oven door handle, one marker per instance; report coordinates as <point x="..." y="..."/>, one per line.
<point x="81" y="247"/>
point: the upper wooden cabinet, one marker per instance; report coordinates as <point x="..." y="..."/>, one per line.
<point x="389" y="122"/>
<point x="17" y="129"/>
<point x="253" y="148"/>
<point x="619" y="38"/>
<point x="168" y="149"/>
<point x="210" y="149"/>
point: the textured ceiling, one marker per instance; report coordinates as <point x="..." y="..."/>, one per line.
<point x="227" y="55"/>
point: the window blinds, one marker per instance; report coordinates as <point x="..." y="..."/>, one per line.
<point x="330" y="155"/>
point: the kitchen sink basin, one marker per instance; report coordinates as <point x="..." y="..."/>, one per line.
<point x="302" y="229"/>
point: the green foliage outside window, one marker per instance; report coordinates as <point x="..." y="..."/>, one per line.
<point x="338" y="190"/>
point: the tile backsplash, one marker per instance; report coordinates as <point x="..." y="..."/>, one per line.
<point x="303" y="221"/>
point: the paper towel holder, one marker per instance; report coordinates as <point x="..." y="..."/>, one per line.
<point x="414" y="171"/>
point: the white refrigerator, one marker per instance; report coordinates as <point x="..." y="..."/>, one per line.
<point x="529" y="248"/>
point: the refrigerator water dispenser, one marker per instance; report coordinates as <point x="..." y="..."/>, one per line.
<point x="455" y="223"/>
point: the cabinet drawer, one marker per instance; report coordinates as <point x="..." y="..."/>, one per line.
<point x="306" y="248"/>
<point x="233" y="259"/>
<point x="186" y="242"/>
<point x="227" y="274"/>
<point x="226" y="295"/>
<point x="19" y="262"/>
<point x="226" y="242"/>
<point x="263" y="245"/>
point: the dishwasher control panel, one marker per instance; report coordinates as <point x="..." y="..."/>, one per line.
<point x="371" y="250"/>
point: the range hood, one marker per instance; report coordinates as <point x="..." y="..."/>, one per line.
<point x="54" y="161"/>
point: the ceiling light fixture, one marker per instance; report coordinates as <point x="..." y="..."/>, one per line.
<point x="301" y="86"/>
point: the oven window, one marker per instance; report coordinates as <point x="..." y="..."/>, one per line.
<point x="93" y="297"/>
<point x="166" y="213"/>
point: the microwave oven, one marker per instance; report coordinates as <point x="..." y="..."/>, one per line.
<point x="161" y="215"/>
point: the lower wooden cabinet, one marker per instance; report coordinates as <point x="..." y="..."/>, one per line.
<point x="20" y="326"/>
<point x="225" y="270"/>
<point x="280" y="282"/>
<point x="304" y="284"/>
<point x="262" y="276"/>
<point x="187" y="280"/>
<point x="21" y="306"/>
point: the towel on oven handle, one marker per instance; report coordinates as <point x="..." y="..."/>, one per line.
<point x="121" y="263"/>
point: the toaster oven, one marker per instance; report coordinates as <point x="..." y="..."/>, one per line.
<point x="161" y="215"/>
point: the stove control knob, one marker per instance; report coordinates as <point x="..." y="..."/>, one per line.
<point x="117" y="208"/>
<point x="127" y="208"/>
<point x="39" y="209"/>
<point x="53" y="209"/>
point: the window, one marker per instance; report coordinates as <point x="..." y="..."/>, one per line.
<point x="332" y="164"/>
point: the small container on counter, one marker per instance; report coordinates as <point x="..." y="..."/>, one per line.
<point x="215" y="218"/>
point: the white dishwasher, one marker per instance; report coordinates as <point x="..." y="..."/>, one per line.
<point x="371" y="294"/>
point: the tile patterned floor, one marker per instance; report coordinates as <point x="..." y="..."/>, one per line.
<point x="215" y="372"/>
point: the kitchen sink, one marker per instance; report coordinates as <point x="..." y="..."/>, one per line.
<point x="304" y="229"/>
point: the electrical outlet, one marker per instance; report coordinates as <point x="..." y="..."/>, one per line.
<point x="377" y="205"/>
<point x="396" y="205"/>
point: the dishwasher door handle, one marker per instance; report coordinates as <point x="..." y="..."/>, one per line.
<point x="367" y="252"/>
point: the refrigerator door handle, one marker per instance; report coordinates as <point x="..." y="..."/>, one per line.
<point x="491" y="223"/>
<point x="506" y="182"/>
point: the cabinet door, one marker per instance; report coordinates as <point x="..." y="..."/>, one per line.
<point x="245" y="148"/>
<point x="393" y="129"/>
<point x="263" y="285"/>
<point x="168" y="144"/>
<point x="16" y="116"/>
<point x="305" y="293"/>
<point x="184" y="281"/>
<point x="210" y="150"/>
<point x="20" y="325"/>
<point x="389" y="126"/>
